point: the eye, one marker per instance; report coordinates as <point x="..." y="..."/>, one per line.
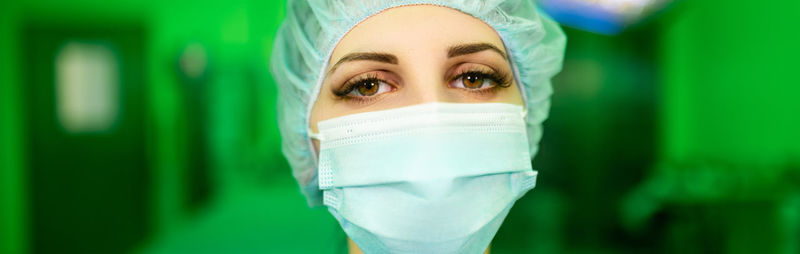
<point x="368" y="87"/>
<point x="474" y="81"/>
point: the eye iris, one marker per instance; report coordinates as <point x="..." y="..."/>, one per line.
<point x="368" y="88"/>
<point x="472" y="81"/>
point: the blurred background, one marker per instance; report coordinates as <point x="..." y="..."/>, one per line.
<point x="149" y="127"/>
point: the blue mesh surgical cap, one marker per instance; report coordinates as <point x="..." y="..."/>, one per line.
<point x="312" y="28"/>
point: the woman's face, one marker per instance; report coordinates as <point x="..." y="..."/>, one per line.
<point x="412" y="55"/>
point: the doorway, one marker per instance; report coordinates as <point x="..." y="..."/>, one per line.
<point x="88" y="175"/>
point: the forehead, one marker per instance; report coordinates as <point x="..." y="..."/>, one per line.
<point x="409" y="30"/>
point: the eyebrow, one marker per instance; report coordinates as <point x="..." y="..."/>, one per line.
<point x="365" y="56"/>
<point x="466" y="49"/>
<point x="453" y="51"/>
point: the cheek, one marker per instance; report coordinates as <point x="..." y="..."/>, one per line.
<point x="321" y="109"/>
<point x="314" y="118"/>
<point x="513" y="95"/>
<point x="316" y="145"/>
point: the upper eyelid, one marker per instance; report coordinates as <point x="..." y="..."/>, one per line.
<point x="490" y="76"/>
<point x="364" y="56"/>
<point x="486" y="70"/>
<point x="359" y="78"/>
<point x="366" y="76"/>
<point x="362" y="78"/>
<point x="455" y="70"/>
<point x="459" y="70"/>
<point x="350" y="83"/>
<point x="339" y="83"/>
<point x="499" y="75"/>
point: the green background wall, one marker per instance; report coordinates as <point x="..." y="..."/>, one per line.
<point x="679" y="135"/>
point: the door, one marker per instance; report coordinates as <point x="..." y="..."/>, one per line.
<point x="88" y="178"/>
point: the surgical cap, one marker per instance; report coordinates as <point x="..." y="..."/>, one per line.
<point x="312" y="28"/>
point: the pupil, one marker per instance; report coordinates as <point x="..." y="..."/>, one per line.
<point x="368" y="88"/>
<point x="472" y="81"/>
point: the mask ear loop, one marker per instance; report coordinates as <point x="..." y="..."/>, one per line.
<point x="317" y="136"/>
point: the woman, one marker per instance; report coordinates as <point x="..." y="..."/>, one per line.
<point x="415" y="121"/>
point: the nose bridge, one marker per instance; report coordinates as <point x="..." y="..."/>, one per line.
<point x="427" y="85"/>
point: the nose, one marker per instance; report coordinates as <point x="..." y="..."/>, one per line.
<point x="429" y="86"/>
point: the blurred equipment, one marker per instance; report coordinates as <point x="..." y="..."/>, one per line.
<point x="193" y="62"/>
<point x="601" y="16"/>
<point x="192" y="71"/>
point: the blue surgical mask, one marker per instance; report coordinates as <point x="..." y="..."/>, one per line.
<point x="429" y="178"/>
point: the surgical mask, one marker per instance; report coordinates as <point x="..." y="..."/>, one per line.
<point x="429" y="178"/>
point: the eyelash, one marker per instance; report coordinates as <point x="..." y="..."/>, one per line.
<point x="501" y="80"/>
<point x="349" y="86"/>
